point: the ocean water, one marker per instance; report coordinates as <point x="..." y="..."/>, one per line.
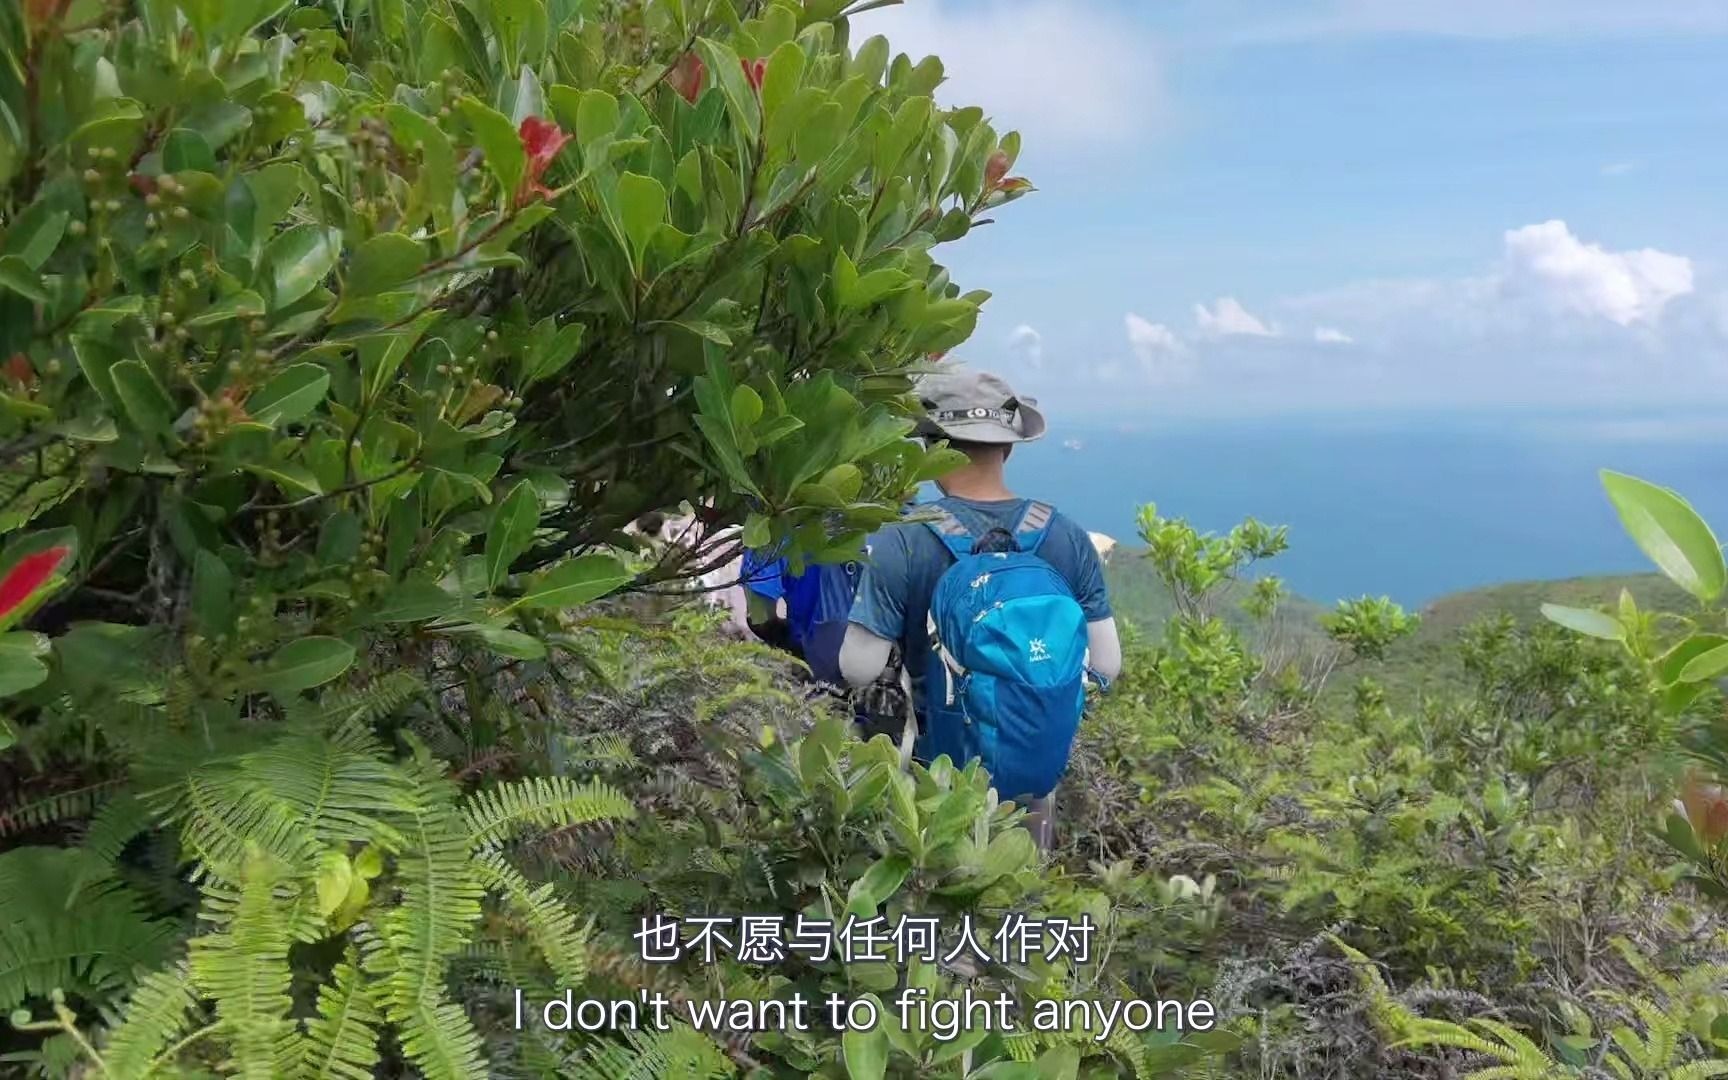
<point x="1407" y="507"/>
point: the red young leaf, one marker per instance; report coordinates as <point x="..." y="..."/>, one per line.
<point x="22" y="581"/>
<point x="543" y="141"/>
<point x="687" y="78"/>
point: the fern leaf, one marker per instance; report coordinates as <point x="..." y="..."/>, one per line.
<point x="69" y="924"/>
<point x="1699" y="1070"/>
<point x="549" y="923"/>
<point x="1524" y="1050"/>
<point x="439" y="904"/>
<point x="55" y="808"/>
<point x="365" y="705"/>
<point x="442" y="1041"/>
<point x="114" y="825"/>
<point x="221" y="818"/>
<point x="547" y="802"/>
<point x="156" y="1013"/>
<point x="342" y="1040"/>
<point x="244" y="968"/>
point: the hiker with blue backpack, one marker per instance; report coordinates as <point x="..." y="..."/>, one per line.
<point x="805" y="613"/>
<point x="997" y="605"/>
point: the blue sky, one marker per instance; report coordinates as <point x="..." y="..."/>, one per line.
<point x="1367" y="205"/>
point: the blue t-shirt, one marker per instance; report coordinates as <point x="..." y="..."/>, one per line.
<point x="906" y="559"/>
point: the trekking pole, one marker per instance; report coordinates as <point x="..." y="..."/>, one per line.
<point x="909" y="733"/>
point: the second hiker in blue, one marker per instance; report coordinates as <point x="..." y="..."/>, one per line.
<point x="996" y="602"/>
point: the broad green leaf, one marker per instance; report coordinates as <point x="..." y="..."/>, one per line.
<point x="642" y="204"/>
<point x="240" y="305"/>
<point x="511" y="531"/>
<point x="292" y="479"/>
<point x="1705" y="666"/>
<point x="187" y="151"/>
<point x="16" y="275"/>
<point x="506" y="642"/>
<point x="784" y="76"/>
<point x="339" y="538"/>
<point x="865" y="1053"/>
<point x="1593" y="623"/>
<point x="1674" y="661"/>
<point x="382" y="263"/>
<point x="579" y="581"/>
<point x="725" y="68"/>
<point x="21" y="667"/>
<point x="299" y="260"/>
<point x="746" y="407"/>
<point x="757" y="533"/>
<point x="596" y="117"/>
<point x="335" y="875"/>
<point x="146" y="403"/>
<point x="1059" y="1063"/>
<point x="305" y="663"/>
<point x="1671" y="533"/>
<point x="35" y="233"/>
<point x="500" y="142"/>
<point x="412" y="601"/>
<point x="880" y="882"/>
<point x="293" y="393"/>
<point x="212" y="592"/>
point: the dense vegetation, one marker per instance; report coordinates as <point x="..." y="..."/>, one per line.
<point x="343" y="338"/>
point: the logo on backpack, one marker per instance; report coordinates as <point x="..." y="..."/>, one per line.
<point x="1005" y="681"/>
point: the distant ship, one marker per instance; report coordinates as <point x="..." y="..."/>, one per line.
<point x="1073" y="444"/>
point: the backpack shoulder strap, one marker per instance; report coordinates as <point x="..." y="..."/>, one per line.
<point x="951" y="531"/>
<point x="1034" y="525"/>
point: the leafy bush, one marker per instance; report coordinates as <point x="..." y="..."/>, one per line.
<point x="341" y="342"/>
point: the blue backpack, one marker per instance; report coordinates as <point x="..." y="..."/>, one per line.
<point x="818" y="604"/>
<point x="1006" y="677"/>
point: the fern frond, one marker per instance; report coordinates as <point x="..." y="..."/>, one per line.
<point x="1699" y="1070"/>
<point x="441" y="1039"/>
<point x="220" y="818"/>
<point x="339" y="784"/>
<point x="417" y="937"/>
<point x="1663" y="1038"/>
<point x="244" y="968"/>
<point x="378" y="699"/>
<point x="548" y="802"/>
<point x="600" y="750"/>
<point x="157" y="1012"/>
<point x="549" y="924"/>
<point x="653" y="1055"/>
<point x="1524" y="1049"/>
<point x="67" y="923"/>
<point x="55" y="808"/>
<point x="342" y="1040"/>
<point x="120" y="818"/>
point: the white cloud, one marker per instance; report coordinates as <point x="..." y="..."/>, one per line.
<point x="1621" y="168"/>
<point x="1551" y="319"/>
<point x="1062" y="73"/>
<point x="1228" y="318"/>
<point x="1164" y="357"/>
<point x="1026" y="342"/>
<point x="1625" y="287"/>
<point x="1151" y="339"/>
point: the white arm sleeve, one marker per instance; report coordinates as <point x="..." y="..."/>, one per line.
<point x="1104" y="647"/>
<point x="863" y="656"/>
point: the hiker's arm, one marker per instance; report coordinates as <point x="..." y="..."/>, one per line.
<point x="863" y="656"/>
<point x="878" y="611"/>
<point x="1104" y="648"/>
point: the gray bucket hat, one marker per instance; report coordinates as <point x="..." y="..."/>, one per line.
<point x="976" y="407"/>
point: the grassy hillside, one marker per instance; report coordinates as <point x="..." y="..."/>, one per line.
<point x="1423" y="663"/>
